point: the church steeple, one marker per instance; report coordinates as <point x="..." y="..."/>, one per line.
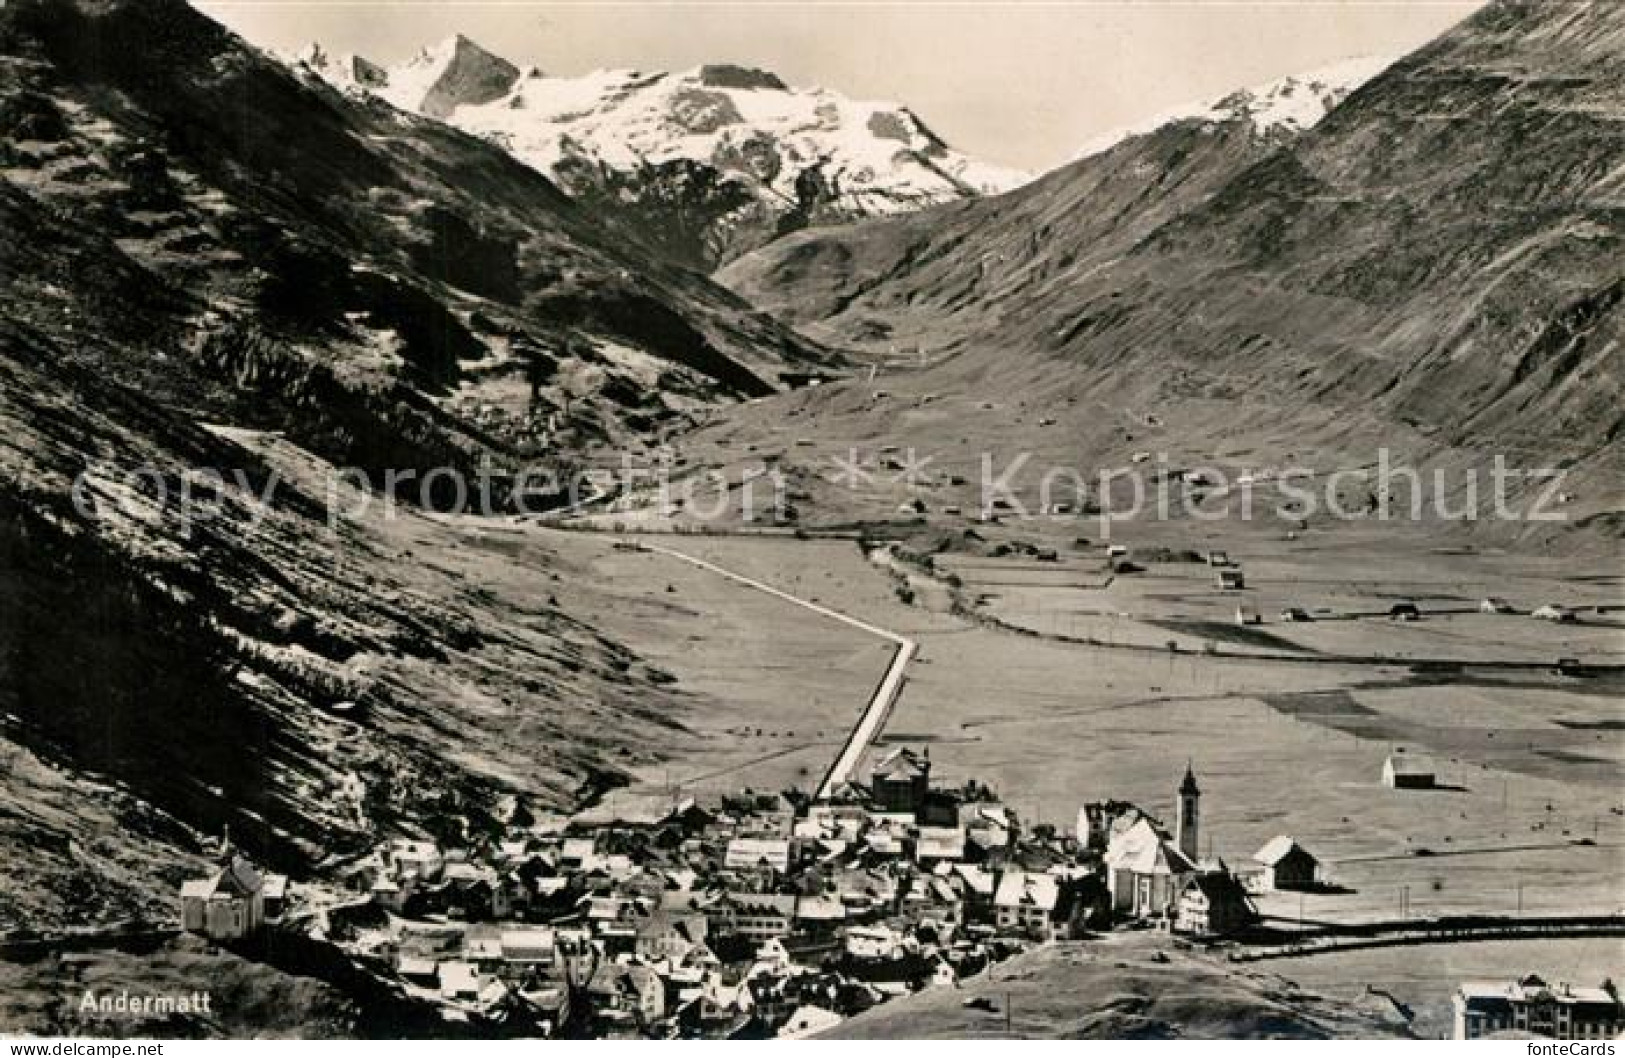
<point x="1186" y="819"/>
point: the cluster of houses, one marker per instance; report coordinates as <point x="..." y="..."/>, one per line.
<point x="760" y="914"/>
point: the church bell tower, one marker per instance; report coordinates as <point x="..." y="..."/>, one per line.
<point x="1186" y="820"/>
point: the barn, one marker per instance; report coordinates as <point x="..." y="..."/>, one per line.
<point x="1405" y="771"/>
<point x="1285" y="864"/>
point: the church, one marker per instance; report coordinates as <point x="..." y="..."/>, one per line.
<point x="1146" y="871"/>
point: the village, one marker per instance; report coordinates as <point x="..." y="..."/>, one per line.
<point x="762" y="914"/>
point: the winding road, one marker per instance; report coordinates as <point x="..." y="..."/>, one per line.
<point x="873" y="718"/>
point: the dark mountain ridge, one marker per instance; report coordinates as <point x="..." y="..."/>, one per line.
<point x="218" y="278"/>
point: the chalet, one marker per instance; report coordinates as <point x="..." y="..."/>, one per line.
<point x="1284" y="864"/>
<point x="228" y="904"/>
<point x="1218" y="558"/>
<point x="1405" y="771"/>
<point x="1026" y="903"/>
<point x="1231" y="578"/>
<point x="1496" y="605"/>
<point x="1247" y="614"/>
<point x="1213" y="904"/>
<point x="1554" y="612"/>
<point x="900" y="782"/>
<point x="1559" y="1011"/>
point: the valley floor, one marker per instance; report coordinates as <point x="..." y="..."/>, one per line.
<point x="1527" y="817"/>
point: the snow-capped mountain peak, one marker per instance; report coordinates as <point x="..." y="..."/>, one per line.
<point x="1292" y="104"/>
<point x="454" y="73"/>
<point x="731" y="153"/>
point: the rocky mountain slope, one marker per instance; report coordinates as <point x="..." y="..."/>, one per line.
<point x="860" y="283"/>
<point x="703" y="164"/>
<point x="220" y="282"/>
<point x="1435" y="266"/>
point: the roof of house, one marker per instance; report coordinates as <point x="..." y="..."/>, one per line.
<point x="746" y="853"/>
<point x="412" y="966"/>
<point x="764" y="903"/>
<point x="525" y="940"/>
<point x="941" y="843"/>
<point x="902" y="764"/>
<point x="1221" y="889"/>
<point x="197" y="888"/>
<point x="1022" y="889"/>
<point x="1277" y="849"/>
<point x="1143" y="850"/>
<point x="1482" y="995"/>
<point x="236" y="879"/>
<point x="979" y="880"/>
<point x="820" y="909"/>
<point x="458" y="978"/>
<point x="1409" y="764"/>
<point x="621" y="978"/>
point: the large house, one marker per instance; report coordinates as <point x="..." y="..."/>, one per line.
<point x="901" y="781"/>
<point x="1560" y="1011"/>
<point x="754" y="916"/>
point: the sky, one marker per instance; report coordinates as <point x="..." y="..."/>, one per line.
<point x="1019" y="82"/>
